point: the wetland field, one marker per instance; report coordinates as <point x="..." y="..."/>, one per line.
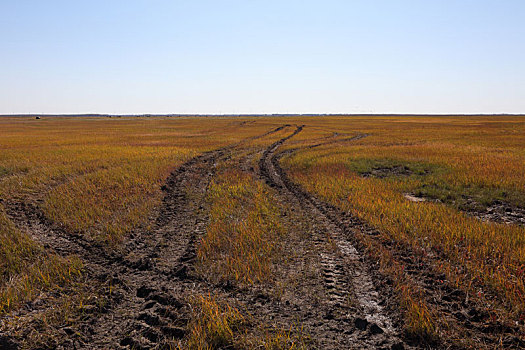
<point x="289" y="232"/>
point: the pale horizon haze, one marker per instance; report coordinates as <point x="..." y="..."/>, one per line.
<point x="255" y="57"/>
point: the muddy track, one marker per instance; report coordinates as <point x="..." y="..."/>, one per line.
<point x="147" y="308"/>
<point x="343" y="268"/>
<point x="152" y="274"/>
<point x="453" y="304"/>
<point x="154" y="311"/>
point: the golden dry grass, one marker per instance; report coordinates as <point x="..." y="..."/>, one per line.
<point x="244" y="235"/>
<point x="483" y="158"/>
<point x="214" y="326"/>
<point x="26" y="269"/>
<point x="101" y="178"/>
<point x="217" y="325"/>
<point x="242" y="239"/>
<point x="98" y="177"/>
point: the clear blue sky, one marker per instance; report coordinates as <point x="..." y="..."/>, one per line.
<point x="251" y="56"/>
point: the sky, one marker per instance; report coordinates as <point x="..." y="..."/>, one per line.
<point x="251" y="56"/>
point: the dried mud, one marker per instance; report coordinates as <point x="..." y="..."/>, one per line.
<point x="497" y="212"/>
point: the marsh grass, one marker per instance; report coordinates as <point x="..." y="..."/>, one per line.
<point x="101" y="178"/>
<point x="242" y="240"/>
<point x="433" y="183"/>
<point x="481" y="159"/>
<point x="97" y="177"/>
<point x="387" y="167"/>
<point x="214" y="326"/>
<point x="217" y="325"/>
<point x="468" y="198"/>
<point x="27" y="269"/>
<point x="4" y="171"/>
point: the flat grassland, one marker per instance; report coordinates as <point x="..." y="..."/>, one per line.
<point x="262" y="232"/>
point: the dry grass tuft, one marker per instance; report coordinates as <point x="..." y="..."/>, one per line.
<point x="214" y="326"/>
<point x="241" y="241"/>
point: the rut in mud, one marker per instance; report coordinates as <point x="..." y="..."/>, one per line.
<point x="363" y="286"/>
<point x="148" y="276"/>
<point x="373" y="290"/>
<point x="152" y="275"/>
<point x="146" y="308"/>
<point x="344" y="270"/>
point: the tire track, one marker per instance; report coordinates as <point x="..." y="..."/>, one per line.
<point x="147" y="310"/>
<point x="151" y="273"/>
<point x="471" y="321"/>
<point x="343" y="267"/>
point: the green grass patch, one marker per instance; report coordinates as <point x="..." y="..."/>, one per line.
<point x="470" y="197"/>
<point x="387" y="167"/>
<point x="432" y="185"/>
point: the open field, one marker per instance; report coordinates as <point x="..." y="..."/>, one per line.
<point x="262" y="232"/>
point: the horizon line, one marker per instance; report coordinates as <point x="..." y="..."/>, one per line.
<point x="264" y="115"/>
